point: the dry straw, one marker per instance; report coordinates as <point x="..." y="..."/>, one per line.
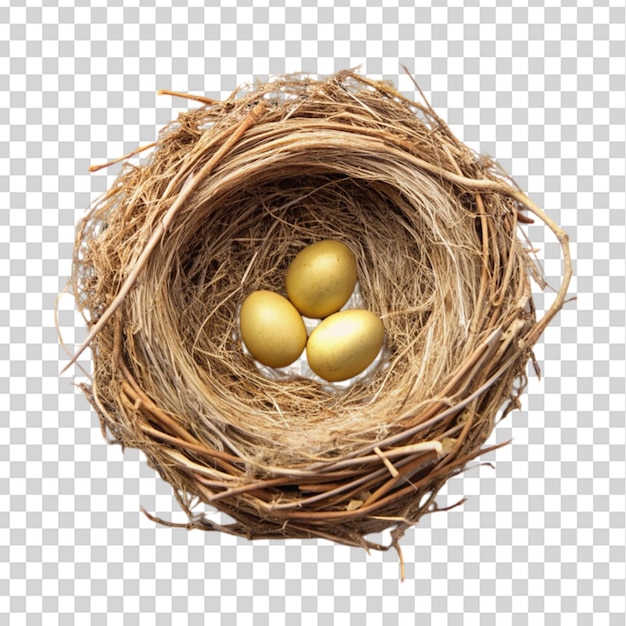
<point x="232" y="191"/>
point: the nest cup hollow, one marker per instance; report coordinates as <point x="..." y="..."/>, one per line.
<point x="233" y="190"/>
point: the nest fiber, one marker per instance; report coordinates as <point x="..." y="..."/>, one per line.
<point x="231" y="192"/>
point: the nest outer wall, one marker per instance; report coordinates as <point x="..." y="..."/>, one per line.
<point x="231" y="192"/>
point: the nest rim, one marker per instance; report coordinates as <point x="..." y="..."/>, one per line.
<point x="390" y="478"/>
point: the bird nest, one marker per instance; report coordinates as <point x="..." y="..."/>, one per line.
<point x="231" y="192"/>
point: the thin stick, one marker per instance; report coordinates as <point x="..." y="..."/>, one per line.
<point x="179" y="94"/>
<point x="563" y="239"/>
<point x="388" y="464"/>
<point x="95" y="168"/>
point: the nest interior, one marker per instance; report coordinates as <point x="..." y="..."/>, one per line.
<point x="232" y="191"/>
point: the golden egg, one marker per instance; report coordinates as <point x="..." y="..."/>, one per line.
<point x="321" y="278"/>
<point x="271" y="328"/>
<point x="344" y="344"/>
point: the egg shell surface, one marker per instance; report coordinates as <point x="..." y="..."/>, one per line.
<point x="321" y="278"/>
<point x="271" y="328"/>
<point x="344" y="344"/>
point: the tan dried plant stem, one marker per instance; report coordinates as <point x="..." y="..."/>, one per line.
<point x="231" y="192"/>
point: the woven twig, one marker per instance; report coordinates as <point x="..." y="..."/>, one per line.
<point x="232" y="191"/>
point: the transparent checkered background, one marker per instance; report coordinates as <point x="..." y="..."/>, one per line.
<point x="541" y="538"/>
